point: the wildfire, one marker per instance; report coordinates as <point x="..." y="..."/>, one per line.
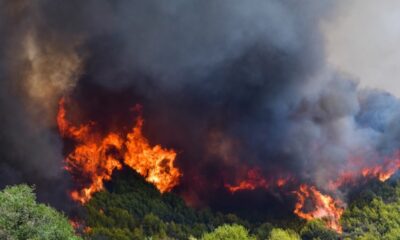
<point x="382" y="172"/>
<point x="324" y="207"/>
<point x="311" y="203"/>
<point x="79" y="226"/>
<point x="95" y="157"/>
<point x="154" y="163"/>
<point x="74" y="223"/>
<point x="344" y="179"/>
<point x="254" y="179"/>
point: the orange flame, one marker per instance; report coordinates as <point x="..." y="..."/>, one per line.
<point x="156" y="164"/>
<point x="95" y="157"/>
<point x="325" y="207"/>
<point x="74" y="223"/>
<point x="382" y="172"/>
<point x="254" y="179"/>
<point x="345" y="178"/>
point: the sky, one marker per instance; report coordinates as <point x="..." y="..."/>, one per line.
<point x="362" y="40"/>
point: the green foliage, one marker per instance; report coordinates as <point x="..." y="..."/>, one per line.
<point x="228" y="232"/>
<point x="375" y="214"/>
<point x="281" y="234"/>
<point x="134" y="209"/>
<point x="22" y="218"/>
<point x="263" y="231"/>
<point x="316" y="230"/>
<point x="153" y="226"/>
<point x="131" y="208"/>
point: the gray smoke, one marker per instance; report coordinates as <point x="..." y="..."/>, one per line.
<point x="229" y="84"/>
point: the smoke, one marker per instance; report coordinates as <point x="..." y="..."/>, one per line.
<point x="231" y="85"/>
<point x="37" y="66"/>
<point x="366" y="53"/>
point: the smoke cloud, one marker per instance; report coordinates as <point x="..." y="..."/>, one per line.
<point x="231" y="85"/>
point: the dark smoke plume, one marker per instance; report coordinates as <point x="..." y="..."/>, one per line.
<point x="230" y="84"/>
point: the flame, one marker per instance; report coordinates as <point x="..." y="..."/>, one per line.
<point x="346" y="178"/>
<point x="79" y="226"/>
<point x="74" y="223"/>
<point x="95" y="157"/>
<point x="156" y="164"/>
<point x="325" y="207"/>
<point x="382" y="172"/>
<point x="254" y="179"/>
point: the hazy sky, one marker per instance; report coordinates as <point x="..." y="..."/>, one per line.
<point x="364" y="40"/>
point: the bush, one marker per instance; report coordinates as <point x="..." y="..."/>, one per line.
<point x="22" y="218"/>
<point x="228" y="232"/>
<point x="316" y="230"/>
<point x="280" y="234"/>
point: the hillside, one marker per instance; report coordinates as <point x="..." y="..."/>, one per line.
<point x="132" y="208"/>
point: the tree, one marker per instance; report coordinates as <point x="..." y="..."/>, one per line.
<point x="153" y="226"/>
<point x="377" y="220"/>
<point x="229" y="232"/>
<point x="135" y="209"/>
<point x="280" y="234"/>
<point x="316" y="230"/>
<point x="263" y="231"/>
<point x="21" y="217"/>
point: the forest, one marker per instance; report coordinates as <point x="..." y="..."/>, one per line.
<point x="131" y="208"/>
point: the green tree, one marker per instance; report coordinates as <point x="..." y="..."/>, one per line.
<point x="135" y="209"/>
<point x="281" y="234"/>
<point x="316" y="230"/>
<point x="153" y="226"/>
<point x="377" y="220"/>
<point x="229" y="232"/>
<point x="263" y="231"/>
<point x="21" y="217"/>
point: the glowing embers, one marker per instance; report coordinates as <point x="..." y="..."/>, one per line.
<point x="254" y="179"/>
<point x="95" y="156"/>
<point x="312" y="204"/>
<point x="383" y="172"/>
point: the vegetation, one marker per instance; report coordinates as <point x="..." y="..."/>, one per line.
<point x="316" y="230"/>
<point x="280" y="234"/>
<point x="21" y="218"/>
<point x="232" y="232"/>
<point x="134" y="209"/>
<point x="374" y="213"/>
